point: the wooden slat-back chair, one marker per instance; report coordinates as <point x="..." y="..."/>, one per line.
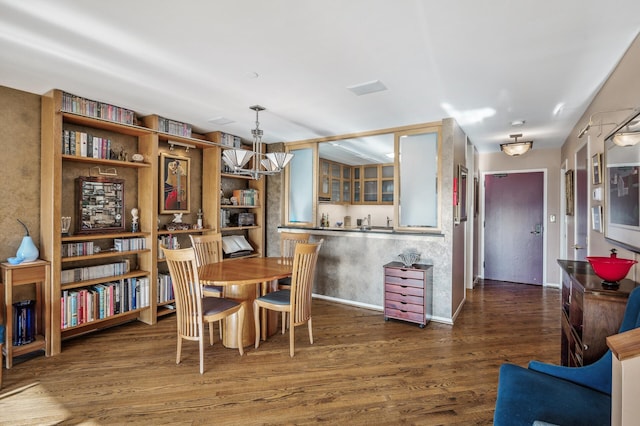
<point x="297" y="300"/>
<point x="193" y="310"/>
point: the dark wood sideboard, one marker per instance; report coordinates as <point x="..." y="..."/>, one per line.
<point x="590" y="313"/>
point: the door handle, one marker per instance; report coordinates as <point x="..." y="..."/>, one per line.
<point x="537" y="230"/>
<point x="577" y="247"/>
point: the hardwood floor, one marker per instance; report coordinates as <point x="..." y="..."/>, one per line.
<point x="360" y="370"/>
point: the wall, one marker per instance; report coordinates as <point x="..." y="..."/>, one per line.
<point x="536" y="159"/>
<point x="20" y="147"/>
<point x="621" y="90"/>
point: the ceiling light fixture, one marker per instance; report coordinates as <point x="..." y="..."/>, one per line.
<point x="590" y="123"/>
<point x="263" y="164"/>
<point x="626" y="139"/>
<point x="516" y="148"/>
<point x="517" y="123"/>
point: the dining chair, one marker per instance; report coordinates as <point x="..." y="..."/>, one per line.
<point x="295" y="301"/>
<point x="288" y="241"/>
<point x="208" y="249"/>
<point x="192" y="309"/>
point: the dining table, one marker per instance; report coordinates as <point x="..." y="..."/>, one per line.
<point x="243" y="280"/>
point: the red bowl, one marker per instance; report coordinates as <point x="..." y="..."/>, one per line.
<point x="611" y="269"/>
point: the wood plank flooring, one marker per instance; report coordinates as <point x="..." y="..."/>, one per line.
<point x="360" y="370"/>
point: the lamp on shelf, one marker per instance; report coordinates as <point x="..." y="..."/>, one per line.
<point x="264" y="163"/>
<point x="516" y="148"/>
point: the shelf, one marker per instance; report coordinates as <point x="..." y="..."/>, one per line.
<point x="234" y="176"/>
<point x="104" y="161"/>
<point x="238" y="228"/>
<point x="101" y="123"/>
<point x="87" y="283"/>
<point x="184" y="231"/>
<point x="100" y="323"/>
<point x="106" y="236"/>
<point x="230" y="206"/>
<point x="103" y="255"/>
<point x="38" y="344"/>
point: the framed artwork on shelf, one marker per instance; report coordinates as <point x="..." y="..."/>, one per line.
<point x="596" y="169"/>
<point x="175" y="190"/>
<point x="596" y="218"/>
<point x="100" y="202"/>
<point x="568" y="192"/>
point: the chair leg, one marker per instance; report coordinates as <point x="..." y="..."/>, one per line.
<point x="240" y="314"/>
<point x="220" y="328"/>
<point x="211" y="333"/>
<point x="284" y="321"/>
<point x="201" y="345"/>
<point x="256" y="320"/>
<point x="179" y="350"/>
<point x="292" y="339"/>
<point x="310" y="331"/>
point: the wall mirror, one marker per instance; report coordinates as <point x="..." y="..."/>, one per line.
<point x="621" y="184"/>
<point x="300" y="187"/>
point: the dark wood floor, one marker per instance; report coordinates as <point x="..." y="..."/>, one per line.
<point x="361" y="370"/>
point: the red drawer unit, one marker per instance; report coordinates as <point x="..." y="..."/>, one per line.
<point x="407" y="292"/>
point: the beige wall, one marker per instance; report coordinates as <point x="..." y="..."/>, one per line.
<point x="621" y="90"/>
<point x="20" y="147"/>
<point x="537" y="159"/>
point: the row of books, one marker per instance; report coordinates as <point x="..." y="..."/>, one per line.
<point x="174" y="127"/>
<point x="79" y="105"/>
<point x="165" y="288"/>
<point x="77" y="249"/>
<point x="128" y="244"/>
<point x="230" y="140"/>
<point x="103" y="300"/>
<point x="24" y="322"/>
<point x="246" y="197"/>
<point x="94" y="272"/>
<point x="167" y="241"/>
<point x="83" y="144"/>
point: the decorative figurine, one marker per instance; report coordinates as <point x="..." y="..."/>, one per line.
<point x="177" y="218"/>
<point x="66" y="224"/>
<point x="199" y="226"/>
<point x="134" y="220"/>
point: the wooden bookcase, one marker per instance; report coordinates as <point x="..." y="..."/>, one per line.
<point x="141" y="180"/>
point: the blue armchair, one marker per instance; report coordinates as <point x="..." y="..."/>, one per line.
<point x="561" y="395"/>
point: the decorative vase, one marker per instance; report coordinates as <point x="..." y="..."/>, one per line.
<point x="27" y="251"/>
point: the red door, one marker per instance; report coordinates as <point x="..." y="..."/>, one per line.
<point x="513" y="233"/>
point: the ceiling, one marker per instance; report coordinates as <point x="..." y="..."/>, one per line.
<point x="485" y="63"/>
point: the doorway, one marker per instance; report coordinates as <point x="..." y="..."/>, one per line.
<point x="514" y="226"/>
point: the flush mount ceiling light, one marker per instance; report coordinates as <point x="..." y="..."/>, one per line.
<point x="517" y="123"/>
<point x="516" y="148"/>
<point x="368" y="87"/>
<point x="220" y="120"/>
<point x="263" y="164"/>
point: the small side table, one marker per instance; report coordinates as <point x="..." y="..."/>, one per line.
<point x="38" y="274"/>
<point x="408" y="292"/>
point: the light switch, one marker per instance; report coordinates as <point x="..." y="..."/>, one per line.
<point x="552" y="218"/>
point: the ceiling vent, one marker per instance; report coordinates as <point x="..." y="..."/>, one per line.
<point x="368" y="87"/>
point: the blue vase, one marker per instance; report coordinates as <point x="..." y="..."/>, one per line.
<point x="27" y="251"/>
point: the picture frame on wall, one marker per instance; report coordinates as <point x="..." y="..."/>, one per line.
<point x="175" y="189"/>
<point x="596" y="169"/>
<point x="460" y="196"/>
<point x="568" y="189"/>
<point x="100" y="205"/>
<point x="596" y="218"/>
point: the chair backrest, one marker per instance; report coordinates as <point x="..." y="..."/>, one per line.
<point x="208" y="248"/>
<point x="288" y="242"/>
<point x="304" y="266"/>
<point x="187" y="291"/>
<point x="631" y="317"/>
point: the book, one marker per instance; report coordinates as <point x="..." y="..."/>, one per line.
<point x="235" y="243"/>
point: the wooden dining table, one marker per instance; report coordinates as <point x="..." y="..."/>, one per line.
<point x="243" y="280"/>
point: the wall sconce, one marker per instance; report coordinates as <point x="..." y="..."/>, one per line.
<point x="185" y="145"/>
<point x="516" y="148"/>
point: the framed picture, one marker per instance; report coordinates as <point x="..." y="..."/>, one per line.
<point x="100" y="202"/>
<point x="568" y="192"/>
<point x="175" y="190"/>
<point x="596" y="169"/>
<point x="460" y="195"/>
<point x="596" y="218"/>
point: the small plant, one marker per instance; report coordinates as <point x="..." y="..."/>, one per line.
<point x="25" y="227"/>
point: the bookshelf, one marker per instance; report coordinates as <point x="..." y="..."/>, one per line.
<point x="118" y="135"/>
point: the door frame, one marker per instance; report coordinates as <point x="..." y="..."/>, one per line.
<point x="481" y="235"/>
